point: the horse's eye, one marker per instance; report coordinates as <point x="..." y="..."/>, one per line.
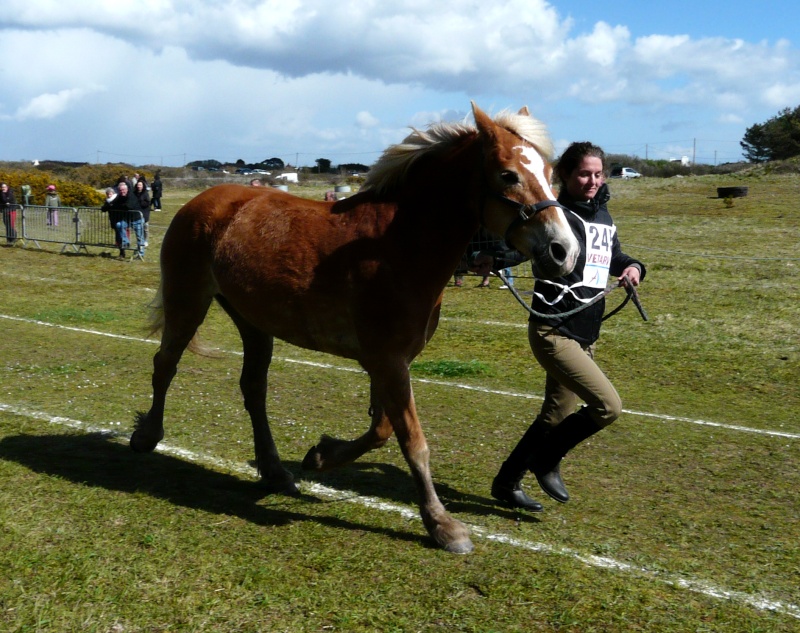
<point x="509" y="177"/>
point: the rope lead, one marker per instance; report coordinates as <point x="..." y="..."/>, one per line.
<point x="632" y="294"/>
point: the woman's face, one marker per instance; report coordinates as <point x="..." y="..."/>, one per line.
<point x="586" y="179"/>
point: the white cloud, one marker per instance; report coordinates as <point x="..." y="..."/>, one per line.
<point x="48" y="106"/>
<point x="242" y="75"/>
<point x="364" y="120"/>
<point x="729" y="118"/>
<point x="603" y="46"/>
<point x="781" y="95"/>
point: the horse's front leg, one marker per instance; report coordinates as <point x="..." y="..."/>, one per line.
<point x="331" y="452"/>
<point x="394" y="388"/>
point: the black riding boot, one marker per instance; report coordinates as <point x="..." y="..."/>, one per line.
<point x="506" y="485"/>
<point x="546" y="458"/>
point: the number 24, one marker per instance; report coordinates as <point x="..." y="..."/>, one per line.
<point x="600" y="239"/>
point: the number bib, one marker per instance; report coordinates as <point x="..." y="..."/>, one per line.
<point x="599" y="239"/>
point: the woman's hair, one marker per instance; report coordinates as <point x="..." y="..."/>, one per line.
<point x="573" y="156"/>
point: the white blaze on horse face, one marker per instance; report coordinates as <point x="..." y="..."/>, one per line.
<point x="536" y="166"/>
<point x="558" y="231"/>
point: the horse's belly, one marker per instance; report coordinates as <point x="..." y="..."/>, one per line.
<point x="312" y="324"/>
<point x="342" y="341"/>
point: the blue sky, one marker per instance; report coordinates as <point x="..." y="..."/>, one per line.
<point x="172" y="81"/>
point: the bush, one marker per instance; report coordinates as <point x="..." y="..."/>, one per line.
<point x="108" y="175"/>
<point x="73" y="194"/>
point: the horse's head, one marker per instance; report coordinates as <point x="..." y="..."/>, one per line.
<point x="518" y="201"/>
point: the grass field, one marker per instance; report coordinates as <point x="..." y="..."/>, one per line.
<point x="683" y="517"/>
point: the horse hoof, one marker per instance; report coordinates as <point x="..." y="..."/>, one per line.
<point x="277" y="480"/>
<point x="141" y="444"/>
<point x="452" y="536"/>
<point x="288" y="488"/>
<point x="459" y="547"/>
<point x="313" y="459"/>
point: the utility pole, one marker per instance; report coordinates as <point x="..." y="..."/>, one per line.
<point x="694" y="151"/>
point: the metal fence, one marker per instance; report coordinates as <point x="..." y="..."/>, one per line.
<point x="73" y="227"/>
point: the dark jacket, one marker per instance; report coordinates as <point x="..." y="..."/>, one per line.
<point x="600" y="256"/>
<point x="119" y="208"/>
<point x="140" y="201"/>
<point x="7" y="198"/>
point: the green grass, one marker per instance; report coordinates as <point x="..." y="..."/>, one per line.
<point x="97" y="538"/>
<point x="450" y="368"/>
<point x="71" y="315"/>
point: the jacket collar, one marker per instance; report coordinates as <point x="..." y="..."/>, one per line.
<point x="589" y="208"/>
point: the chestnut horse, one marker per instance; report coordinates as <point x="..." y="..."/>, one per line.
<point x="361" y="278"/>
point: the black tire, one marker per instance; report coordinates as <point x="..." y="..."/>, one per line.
<point x="731" y="192"/>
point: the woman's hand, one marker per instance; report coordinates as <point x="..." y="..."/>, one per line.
<point x="630" y="276"/>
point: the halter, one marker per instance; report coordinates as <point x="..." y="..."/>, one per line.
<point x="524" y="211"/>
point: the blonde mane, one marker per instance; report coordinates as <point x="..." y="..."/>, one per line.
<point x="392" y="167"/>
<point x="529" y="129"/>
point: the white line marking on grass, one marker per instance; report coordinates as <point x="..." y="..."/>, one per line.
<point x="758" y="602"/>
<point x="442" y="383"/>
<point x="477" y="322"/>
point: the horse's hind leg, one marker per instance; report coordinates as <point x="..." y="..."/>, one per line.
<point x="332" y="452"/>
<point x="258" y="348"/>
<point x="182" y="317"/>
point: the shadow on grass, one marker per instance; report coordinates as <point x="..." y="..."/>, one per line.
<point x="387" y="481"/>
<point x="97" y="460"/>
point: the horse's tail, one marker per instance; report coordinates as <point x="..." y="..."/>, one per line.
<point x="155" y="316"/>
<point x="156" y="321"/>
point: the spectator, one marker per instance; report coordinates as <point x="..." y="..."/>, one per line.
<point x="8" y="204"/>
<point x="52" y="201"/>
<point x="126" y="180"/>
<point x="122" y="216"/>
<point x="108" y="206"/>
<point x="116" y="209"/>
<point x="140" y="201"/>
<point x="255" y="182"/>
<point x="157" y="189"/>
<point x="111" y="193"/>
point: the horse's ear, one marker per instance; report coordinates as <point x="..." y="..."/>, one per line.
<point x="524" y="111"/>
<point x="482" y="120"/>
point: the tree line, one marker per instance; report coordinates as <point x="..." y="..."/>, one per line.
<point x="322" y="166"/>
<point x="776" y="139"/>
